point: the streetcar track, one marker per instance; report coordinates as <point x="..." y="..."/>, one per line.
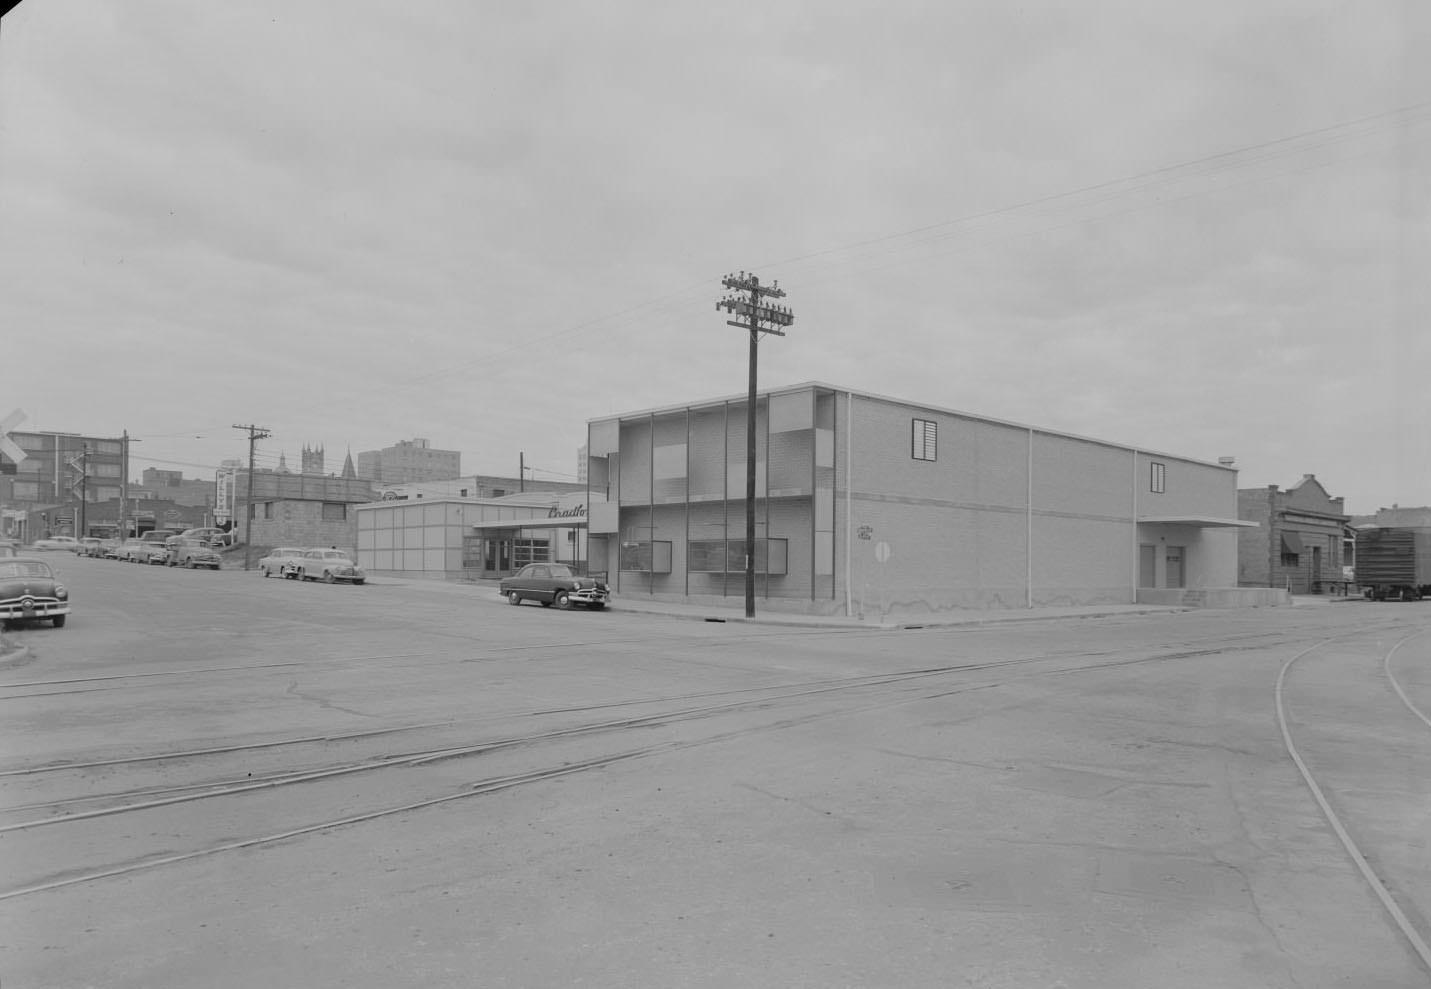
<point x="480" y="788"/>
<point x="1395" y="685"/>
<point x="1374" y="882"/>
<point x="768" y="695"/>
<point x="422" y="757"/>
<point x="496" y="784"/>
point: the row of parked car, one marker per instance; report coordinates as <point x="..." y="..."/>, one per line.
<point x="330" y="565"/>
<point x="175" y="551"/>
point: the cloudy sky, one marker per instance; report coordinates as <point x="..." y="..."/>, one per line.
<point x="1200" y="228"/>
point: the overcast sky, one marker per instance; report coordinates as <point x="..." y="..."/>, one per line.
<point x="1199" y="228"/>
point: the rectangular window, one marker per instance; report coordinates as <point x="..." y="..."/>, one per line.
<point x="772" y="556"/>
<point x="925" y="433"/>
<point x="646" y="556"/>
<point x="335" y="511"/>
<point x="103" y="470"/>
<point x="107" y="446"/>
<point x="268" y="509"/>
<point x="526" y="551"/>
<point x="27" y="490"/>
<point x="1158" y="478"/>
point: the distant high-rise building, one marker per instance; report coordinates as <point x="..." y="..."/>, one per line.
<point x="407" y="461"/>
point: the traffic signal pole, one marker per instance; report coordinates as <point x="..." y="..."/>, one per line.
<point x="756" y="318"/>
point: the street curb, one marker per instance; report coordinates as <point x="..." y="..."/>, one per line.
<point x="853" y="625"/>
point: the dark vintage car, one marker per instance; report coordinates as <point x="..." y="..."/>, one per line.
<point x="29" y="591"/>
<point x="554" y="584"/>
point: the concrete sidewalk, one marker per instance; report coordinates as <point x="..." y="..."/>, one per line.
<point x="735" y="611"/>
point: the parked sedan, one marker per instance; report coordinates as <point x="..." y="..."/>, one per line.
<point x="87" y="546"/>
<point x="554" y="584"/>
<point x="329" y="566"/>
<point x="191" y="553"/>
<point x="142" y="551"/>
<point x="29" y="591"/>
<point x="282" y="561"/>
<point x="125" y="551"/>
<point x="56" y="542"/>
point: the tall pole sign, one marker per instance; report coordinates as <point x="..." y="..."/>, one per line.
<point x="757" y="318"/>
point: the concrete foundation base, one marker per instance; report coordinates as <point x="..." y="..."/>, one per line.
<point x="1216" y="597"/>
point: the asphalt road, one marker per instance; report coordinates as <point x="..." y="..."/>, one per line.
<point x="213" y="779"/>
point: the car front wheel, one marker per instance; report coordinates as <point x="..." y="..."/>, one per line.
<point x="562" y="600"/>
<point x="513" y="597"/>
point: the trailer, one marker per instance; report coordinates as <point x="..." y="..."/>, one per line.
<point x="1394" y="562"/>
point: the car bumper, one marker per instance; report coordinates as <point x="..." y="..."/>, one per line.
<point x="589" y="595"/>
<point x="32" y="608"/>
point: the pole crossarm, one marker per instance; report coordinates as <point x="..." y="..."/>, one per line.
<point x="755" y="315"/>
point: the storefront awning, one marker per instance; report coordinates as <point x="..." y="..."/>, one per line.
<point x="1200" y="521"/>
<point x="1292" y="543"/>
<point x="531" y="523"/>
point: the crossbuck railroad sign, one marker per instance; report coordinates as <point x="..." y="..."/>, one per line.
<point x="8" y="446"/>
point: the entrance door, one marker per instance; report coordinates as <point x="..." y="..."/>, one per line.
<point x="497" y="556"/>
<point x="1147" y="566"/>
<point x="1316" y="566"/>
<point x="1175" y="566"/>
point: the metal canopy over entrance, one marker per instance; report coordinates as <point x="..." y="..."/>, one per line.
<point x="1199" y="521"/>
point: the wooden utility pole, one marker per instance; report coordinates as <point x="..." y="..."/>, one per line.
<point x="757" y="318"/>
<point x="255" y="433"/>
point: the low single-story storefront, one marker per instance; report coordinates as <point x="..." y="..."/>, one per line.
<point x="468" y="538"/>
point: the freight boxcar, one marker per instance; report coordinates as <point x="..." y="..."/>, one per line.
<point x="1394" y="562"/>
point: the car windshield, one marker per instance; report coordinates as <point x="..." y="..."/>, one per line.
<point x="23" y="568"/>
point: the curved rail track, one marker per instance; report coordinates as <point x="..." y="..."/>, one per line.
<point x="1403" y="898"/>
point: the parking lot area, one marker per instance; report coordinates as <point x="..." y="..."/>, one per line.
<point x="216" y="779"/>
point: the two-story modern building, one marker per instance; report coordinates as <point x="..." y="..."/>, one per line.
<point x="867" y="504"/>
